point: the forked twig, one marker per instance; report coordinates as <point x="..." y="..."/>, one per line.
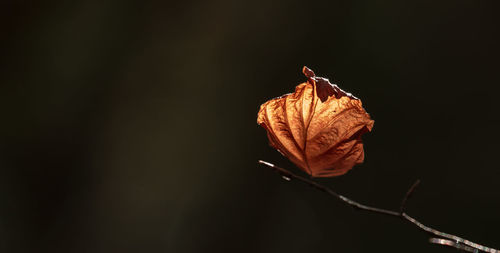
<point x="442" y="238"/>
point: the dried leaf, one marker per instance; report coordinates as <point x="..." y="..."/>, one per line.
<point x="318" y="127"/>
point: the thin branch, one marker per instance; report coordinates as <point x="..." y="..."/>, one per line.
<point x="290" y="175"/>
<point x="408" y="195"/>
<point x="458" y="242"/>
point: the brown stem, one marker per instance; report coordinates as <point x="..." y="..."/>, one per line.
<point x="450" y="240"/>
<point x="408" y="195"/>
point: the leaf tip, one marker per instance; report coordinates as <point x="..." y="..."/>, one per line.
<point x="308" y="72"/>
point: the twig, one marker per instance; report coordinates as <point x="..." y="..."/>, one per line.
<point x="323" y="188"/>
<point x="408" y="195"/>
<point x="444" y="238"/>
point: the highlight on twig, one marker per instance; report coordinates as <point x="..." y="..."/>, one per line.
<point x="450" y="243"/>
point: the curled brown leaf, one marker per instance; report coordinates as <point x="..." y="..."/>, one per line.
<point x="318" y="127"/>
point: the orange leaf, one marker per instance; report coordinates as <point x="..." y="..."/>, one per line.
<point x="318" y="127"/>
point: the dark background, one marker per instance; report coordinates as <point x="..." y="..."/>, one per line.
<point x="130" y="126"/>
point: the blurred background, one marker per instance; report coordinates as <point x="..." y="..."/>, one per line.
<point x="130" y="126"/>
